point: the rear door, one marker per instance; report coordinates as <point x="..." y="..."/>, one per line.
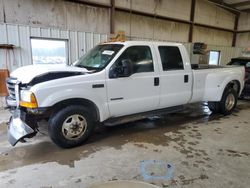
<point x="175" y="76"/>
<point x="138" y="92"/>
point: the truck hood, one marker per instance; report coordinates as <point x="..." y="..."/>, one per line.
<point x="28" y="73"/>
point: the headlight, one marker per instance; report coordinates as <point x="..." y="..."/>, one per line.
<point x="27" y="99"/>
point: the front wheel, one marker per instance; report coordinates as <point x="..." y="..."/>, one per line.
<point x="70" y="126"/>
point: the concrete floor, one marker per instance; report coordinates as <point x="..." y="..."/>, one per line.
<point x="204" y="149"/>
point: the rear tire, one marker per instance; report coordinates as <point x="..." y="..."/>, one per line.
<point x="228" y="101"/>
<point x="227" y="104"/>
<point x="70" y="126"/>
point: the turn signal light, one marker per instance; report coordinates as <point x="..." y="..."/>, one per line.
<point x="32" y="103"/>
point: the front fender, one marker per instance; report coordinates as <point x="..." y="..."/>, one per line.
<point x="52" y="98"/>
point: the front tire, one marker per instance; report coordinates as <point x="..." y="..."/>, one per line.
<point x="70" y="126"/>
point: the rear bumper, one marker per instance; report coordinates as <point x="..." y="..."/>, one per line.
<point x="18" y="129"/>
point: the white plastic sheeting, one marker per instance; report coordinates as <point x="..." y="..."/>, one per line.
<point x="19" y="35"/>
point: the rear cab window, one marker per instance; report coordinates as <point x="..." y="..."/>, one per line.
<point x="171" y="58"/>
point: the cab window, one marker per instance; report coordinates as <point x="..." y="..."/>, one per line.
<point x="139" y="56"/>
<point x="170" y="58"/>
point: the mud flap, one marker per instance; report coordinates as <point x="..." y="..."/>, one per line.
<point x="18" y="129"/>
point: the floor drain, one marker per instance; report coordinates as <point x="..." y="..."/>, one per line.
<point x="154" y="169"/>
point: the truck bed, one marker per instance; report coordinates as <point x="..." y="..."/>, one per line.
<point x="205" y="66"/>
<point x="209" y="81"/>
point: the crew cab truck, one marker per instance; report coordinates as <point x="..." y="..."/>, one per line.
<point x="113" y="83"/>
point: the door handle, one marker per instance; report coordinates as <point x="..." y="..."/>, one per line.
<point x="156" y="81"/>
<point x="185" y="78"/>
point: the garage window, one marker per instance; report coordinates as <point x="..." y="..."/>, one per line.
<point x="214" y="58"/>
<point x="49" y="51"/>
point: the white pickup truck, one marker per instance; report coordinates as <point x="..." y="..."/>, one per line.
<point x="113" y="83"/>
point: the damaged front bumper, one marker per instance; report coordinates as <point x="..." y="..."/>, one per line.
<point x="18" y="129"/>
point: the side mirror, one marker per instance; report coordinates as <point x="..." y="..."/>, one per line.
<point x="123" y="69"/>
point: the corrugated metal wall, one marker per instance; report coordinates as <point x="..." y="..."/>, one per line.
<point x="78" y="44"/>
<point x="19" y="35"/>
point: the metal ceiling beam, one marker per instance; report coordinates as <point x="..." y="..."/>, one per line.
<point x="94" y="4"/>
<point x="243" y="31"/>
<point x="240" y="4"/>
<point x="245" y="9"/>
<point x="214" y="27"/>
<point x="225" y="6"/>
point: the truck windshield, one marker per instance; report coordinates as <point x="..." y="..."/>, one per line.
<point x="99" y="57"/>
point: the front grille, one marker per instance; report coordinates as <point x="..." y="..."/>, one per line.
<point x="10" y="82"/>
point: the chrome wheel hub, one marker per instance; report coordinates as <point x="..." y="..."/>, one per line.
<point x="74" y="127"/>
<point x="230" y="101"/>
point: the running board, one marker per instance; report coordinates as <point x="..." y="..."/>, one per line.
<point x="134" y="117"/>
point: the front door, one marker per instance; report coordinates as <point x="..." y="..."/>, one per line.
<point x="137" y="91"/>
